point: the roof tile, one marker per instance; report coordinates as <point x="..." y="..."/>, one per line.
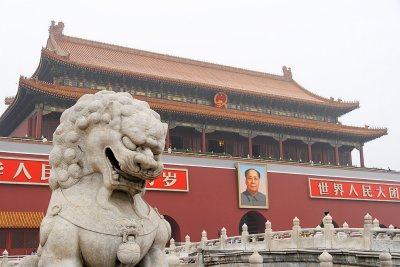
<point x="112" y="58"/>
<point x="16" y="219"/>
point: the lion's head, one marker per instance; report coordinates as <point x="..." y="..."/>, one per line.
<point x="111" y="134"/>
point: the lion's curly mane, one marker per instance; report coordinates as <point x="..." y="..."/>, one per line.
<point x="67" y="156"/>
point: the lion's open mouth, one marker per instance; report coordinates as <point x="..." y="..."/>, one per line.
<point x="119" y="174"/>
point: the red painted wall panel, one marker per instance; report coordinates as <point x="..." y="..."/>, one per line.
<point x="24" y="197"/>
<point x="212" y="203"/>
<point x="21" y="130"/>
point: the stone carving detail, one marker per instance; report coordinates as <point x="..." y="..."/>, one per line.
<point x="105" y="148"/>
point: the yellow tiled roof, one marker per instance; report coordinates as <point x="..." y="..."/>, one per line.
<point x="19" y="219"/>
<point x="127" y="61"/>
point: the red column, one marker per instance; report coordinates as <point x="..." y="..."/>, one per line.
<point x="362" y="157"/>
<point x="167" y="139"/>
<point x="324" y="156"/>
<point x="39" y="116"/>
<point x="30" y="131"/>
<point x="337" y="154"/>
<point x="297" y="152"/>
<point x="309" y="152"/>
<point x="250" y="146"/>
<point x="235" y="148"/>
<point x="203" y="140"/>
<point x="280" y="149"/>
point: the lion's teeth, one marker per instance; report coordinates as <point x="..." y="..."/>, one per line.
<point x="114" y="172"/>
<point x="115" y="176"/>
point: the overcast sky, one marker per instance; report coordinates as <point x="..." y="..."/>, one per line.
<point x="345" y="49"/>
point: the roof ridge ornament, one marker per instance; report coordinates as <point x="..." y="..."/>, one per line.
<point x="9" y="100"/>
<point x="56" y="32"/>
<point x="287" y="73"/>
<point x="56" y="29"/>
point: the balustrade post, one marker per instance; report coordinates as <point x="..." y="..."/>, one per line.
<point x="172" y="258"/>
<point x="187" y="244"/>
<point x="318" y="237"/>
<point x="295" y="235"/>
<point x="376" y="224"/>
<point x="172" y="244"/>
<point x="203" y="241"/>
<point x="245" y="237"/>
<point x="367" y="232"/>
<point x="268" y="235"/>
<point x="385" y="259"/>
<point x="4" y="262"/>
<point x="325" y="259"/>
<point x="223" y="238"/>
<point x="328" y="230"/>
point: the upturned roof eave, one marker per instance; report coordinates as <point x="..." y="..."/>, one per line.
<point x="73" y="94"/>
<point x="7" y="118"/>
<point x="348" y="131"/>
<point x="342" y="107"/>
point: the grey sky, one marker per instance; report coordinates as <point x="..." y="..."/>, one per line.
<point x="345" y="49"/>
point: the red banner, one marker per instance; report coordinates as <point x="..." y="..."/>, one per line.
<point x="170" y="180"/>
<point x="337" y="189"/>
<point x="37" y="172"/>
<point x="24" y="171"/>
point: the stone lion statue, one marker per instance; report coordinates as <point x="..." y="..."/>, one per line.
<point x="105" y="148"/>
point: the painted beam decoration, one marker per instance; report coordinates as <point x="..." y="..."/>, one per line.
<point x="15" y="170"/>
<point x="352" y="190"/>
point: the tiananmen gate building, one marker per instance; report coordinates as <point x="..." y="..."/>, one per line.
<point x="221" y="120"/>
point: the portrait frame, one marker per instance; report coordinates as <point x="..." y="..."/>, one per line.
<point x="244" y="196"/>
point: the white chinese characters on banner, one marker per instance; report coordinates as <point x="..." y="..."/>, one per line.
<point x="22" y="168"/>
<point x="45" y="172"/>
<point x="355" y="190"/>
<point x="169" y="179"/>
<point x="14" y="170"/>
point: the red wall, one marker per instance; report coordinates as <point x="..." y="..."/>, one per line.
<point x="24" y="197"/>
<point x="212" y="203"/>
<point x="22" y="129"/>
